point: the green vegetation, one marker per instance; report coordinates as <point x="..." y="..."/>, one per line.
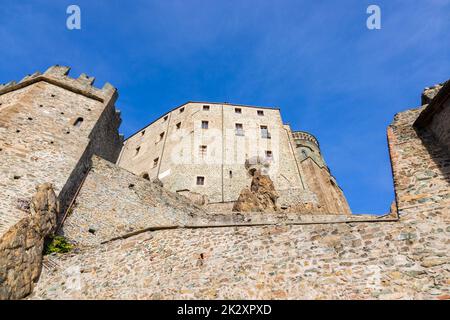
<point x="58" y="244"/>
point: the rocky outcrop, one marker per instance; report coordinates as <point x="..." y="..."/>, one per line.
<point x="21" y="246"/>
<point x="261" y="197"/>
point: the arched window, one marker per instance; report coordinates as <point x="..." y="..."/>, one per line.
<point x="78" y="122"/>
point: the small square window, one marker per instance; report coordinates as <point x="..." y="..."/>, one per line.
<point x="178" y="125"/>
<point x="260" y="113"/>
<point x="205" y="124"/>
<point x="205" y="108"/>
<point x="166" y="117"/>
<point x="143" y="132"/>
<point x="238" y="110"/>
<point x="269" y="154"/>
<point x="200" y="181"/>
<point x="182" y="110"/>
<point x="155" y="162"/>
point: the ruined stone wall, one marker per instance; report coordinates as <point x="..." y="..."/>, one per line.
<point x="420" y="167"/>
<point x="50" y="125"/>
<point x="439" y="125"/>
<point x="222" y="166"/>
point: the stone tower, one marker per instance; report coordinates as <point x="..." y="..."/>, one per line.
<point x="50" y="126"/>
<point x="317" y="175"/>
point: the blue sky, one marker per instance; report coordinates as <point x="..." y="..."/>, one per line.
<point x="316" y="60"/>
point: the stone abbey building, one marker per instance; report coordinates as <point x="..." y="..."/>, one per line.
<point x="65" y="171"/>
<point x="209" y="149"/>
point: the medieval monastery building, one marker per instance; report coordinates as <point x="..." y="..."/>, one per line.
<point x="209" y="201"/>
<point x="207" y="148"/>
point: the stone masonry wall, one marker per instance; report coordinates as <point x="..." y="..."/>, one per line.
<point x="405" y="258"/>
<point x="440" y="127"/>
<point x="50" y="125"/>
<point x="113" y="202"/>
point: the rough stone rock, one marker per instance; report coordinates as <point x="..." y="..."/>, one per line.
<point x="261" y="197"/>
<point x="158" y="182"/>
<point x="197" y="198"/>
<point x="24" y="243"/>
<point x="429" y="93"/>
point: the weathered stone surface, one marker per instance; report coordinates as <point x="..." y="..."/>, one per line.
<point x="21" y="246"/>
<point x="261" y="197"/>
<point x="430" y="92"/>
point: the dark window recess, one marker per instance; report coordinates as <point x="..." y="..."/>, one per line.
<point x="137" y="150"/>
<point x="78" y="122"/>
<point x="205" y="124"/>
<point x="260" y="113"/>
<point x="202" y="150"/>
<point x="155" y="162"/>
<point x="200" y="181"/>
<point x="161" y="136"/>
<point x="269" y="154"/>
<point x="231" y="174"/>
<point x="165" y="118"/>
<point x="145" y="176"/>
<point x="178" y="125"/>
<point x="265" y="132"/>
<point x="238" y="110"/>
<point x="143" y="132"/>
<point x="182" y="110"/>
<point x="205" y="108"/>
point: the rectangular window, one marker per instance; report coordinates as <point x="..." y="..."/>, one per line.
<point x="205" y="124"/>
<point x="155" y="162"/>
<point x="182" y="110"/>
<point x="205" y="108"/>
<point x="178" y="125"/>
<point x="238" y="110"/>
<point x="200" y="181"/>
<point x="202" y="151"/>
<point x="265" y="132"/>
<point x="239" y="129"/>
<point x="260" y="113"/>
